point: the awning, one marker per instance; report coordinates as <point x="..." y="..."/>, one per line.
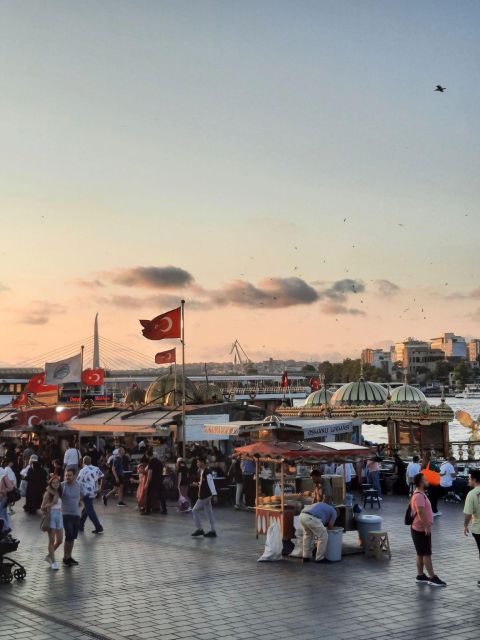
<point x="148" y="422"/>
<point x="110" y="428"/>
<point x="230" y="428"/>
<point x="312" y="429"/>
<point x="312" y="453"/>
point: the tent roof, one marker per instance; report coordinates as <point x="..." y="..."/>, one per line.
<point x="313" y="452"/>
<point x="311" y="428"/>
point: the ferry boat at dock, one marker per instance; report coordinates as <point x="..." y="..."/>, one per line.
<point x="470" y="391"/>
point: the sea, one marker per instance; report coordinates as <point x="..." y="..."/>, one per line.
<point x="378" y="433"/>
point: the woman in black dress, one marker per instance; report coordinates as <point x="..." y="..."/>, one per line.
<point x="36" y="484"/>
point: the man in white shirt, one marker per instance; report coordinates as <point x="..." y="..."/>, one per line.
<point x="9" y="472"/>
<point x="447" y="475"/>
<point x="349" y="473"/>
<point x="412" y="469"/>
<point x="72" y="458"/>
<point x="88" y="480"/>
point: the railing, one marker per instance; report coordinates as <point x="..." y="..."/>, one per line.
<point x="462" y="451"/>
<point x="260" y="390"/>
<point x="465" y="451"/>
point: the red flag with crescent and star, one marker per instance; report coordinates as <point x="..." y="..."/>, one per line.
<point x="284" y="381"/>
<point x="314" y="384"/>
<point x="166" y="357"/>
<point x="37" y="385"/>
<point x="166" y="325"/>
<point x="21" y="400"/>
<point x="93" y="377"/>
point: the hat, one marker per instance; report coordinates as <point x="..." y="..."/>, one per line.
<point x="180" y="460"/>
<point x="115" y="452"/>
<point x="33" y="458"/>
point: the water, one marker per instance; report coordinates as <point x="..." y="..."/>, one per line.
<point x="378" y="433"/>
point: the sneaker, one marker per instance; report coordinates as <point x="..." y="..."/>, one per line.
<point x="436" y="582"/>
<point x="54" y="566"/>
<point x="210" y="534"/>
<point x="67" y="562"/>
<point x="439" y="513"/>
<point x="121" y="504"/>
<point x="104" y="500"/>
<point x="380" y="498"/>
<point x="458" y="498"/>
<point x="198" y="533"/>
<point x="73" y="561"/>
<point x="422" y="579"/>
<point x="97" y="531"/>
<point x="305" y="559"/>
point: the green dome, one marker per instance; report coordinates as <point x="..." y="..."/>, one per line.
<point x="319" y="397"/>
<point x="361" y="392"/>
<point x="406" y="393"/>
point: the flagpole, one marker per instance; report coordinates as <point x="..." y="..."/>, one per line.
<point x="81" y="372"/>
<point x="183" y="380"/>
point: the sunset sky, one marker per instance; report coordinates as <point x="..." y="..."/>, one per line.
<point x="286" y="167"/>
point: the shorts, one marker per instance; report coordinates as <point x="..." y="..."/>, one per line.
<point x="423" y="543"/>
<point x="71" y="525"/>
<point x="117" y="483"/>
<point x="56" y="519"/>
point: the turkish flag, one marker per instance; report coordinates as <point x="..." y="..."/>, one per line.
<point x="93" y="377"/>
<point x="166" y="357"/>
<point x="314" y="384"/>
<point x="284" y="381"/>
<point x="21" y="400"/>
<point x="166" y="325"/>
<point x="37" y="384"/>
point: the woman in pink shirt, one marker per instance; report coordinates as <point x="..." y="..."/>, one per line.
<point x="421" y="528"/>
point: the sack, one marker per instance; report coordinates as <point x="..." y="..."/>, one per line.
<point x="45" y="521"/>
<point x="13" y="496"/>
<point x="432" y="477"/>
<point x="273" y="545"/>
<point x="23" y="488"/>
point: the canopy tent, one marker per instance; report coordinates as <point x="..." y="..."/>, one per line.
<point x="307" y="429"/>
<point x="151" y="422"/>
<point x="312" y="453"/>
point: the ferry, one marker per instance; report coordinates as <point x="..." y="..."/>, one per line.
<point x="470" y="391"/>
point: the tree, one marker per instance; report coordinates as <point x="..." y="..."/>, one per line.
<point x="442" y="369"/>
<point x="463" y="373"/>
<point x="308" y="370"/>
<point x="326" y="368"/>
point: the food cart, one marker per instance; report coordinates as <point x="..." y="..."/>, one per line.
<point x="285" y="456"/>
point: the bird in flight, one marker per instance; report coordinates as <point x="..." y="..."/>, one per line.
<point x="440" y="88"/>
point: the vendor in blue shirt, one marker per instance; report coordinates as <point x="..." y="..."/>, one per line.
<point x="315" y="520"/>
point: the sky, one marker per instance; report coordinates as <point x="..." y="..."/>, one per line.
<point x="284" y="166"/>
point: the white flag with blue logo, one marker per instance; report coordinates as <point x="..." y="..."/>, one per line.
<point x="63" y="371"/>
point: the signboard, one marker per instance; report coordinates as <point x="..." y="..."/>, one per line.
<point x="327" y="432"/>
<point x="194" y="427"/>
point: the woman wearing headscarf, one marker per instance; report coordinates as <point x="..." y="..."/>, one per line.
<point x="36" y="478"/>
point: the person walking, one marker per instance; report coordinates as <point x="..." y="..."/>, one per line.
<point x="10" y="473"/>
<point x="421" y="530"/>
<point x="36" y="478"/>
<point x="117" y="476"/>
<point x="315" y="520"/>
<point x="412" y="469"/>
<point x="88" y="478"/>
<point x="182" y="484"/>
<point x="206" y="494"/>
<point x="373" y="475"/>
<point x="472" y="508"/>
<point x="72" y="458"/>
<point x="6" y="485"/>
<point x="447" y="476"/>
<point x="52" y="510"/>
<point x="71" y="500"/>
<point x="154" y="487"/>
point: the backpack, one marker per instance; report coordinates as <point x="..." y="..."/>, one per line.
<point x="409" y="518"/>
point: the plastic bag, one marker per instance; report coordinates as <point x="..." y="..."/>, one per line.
<point x="276" y="489"/>
<point x="273" y="544"/>
<point x="23" y="488"/>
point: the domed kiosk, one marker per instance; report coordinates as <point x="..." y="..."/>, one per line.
<point x="318" y="398"/>
<point x="163" y="390"/>
<point x="407" y="393"/>
<point x="361" y="392"/>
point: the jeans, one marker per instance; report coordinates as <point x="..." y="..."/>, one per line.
<point x="205" y="505"/>
<point x="89" y="511"/>
<point x="249" y="490"/>
<point x="238" y="494"/>
<point x="374" y="479"/>
<point x="4" y="516"/>
<point x="313" y="527"/>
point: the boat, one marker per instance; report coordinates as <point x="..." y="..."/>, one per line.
<point x="470" y="391"/>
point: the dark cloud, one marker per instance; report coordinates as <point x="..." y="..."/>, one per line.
<point x="271" y="292"/>
<point x="149" y="302"/>
<point x="39" y="312"/>
<point x="340" y="289"/>
<point x="94" y="283"/>
<point x="337" y="308"/>
<point x="151" y="277"/>
<point x="386" y="289"/>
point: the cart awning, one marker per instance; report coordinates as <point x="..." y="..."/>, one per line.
<point x="311" y="453"/>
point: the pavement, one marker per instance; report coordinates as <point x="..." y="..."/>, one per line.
<point x="146" y="578"/>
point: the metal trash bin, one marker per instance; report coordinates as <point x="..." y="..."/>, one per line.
<point x="366" y="524"/>
<point x="334" y="544"/>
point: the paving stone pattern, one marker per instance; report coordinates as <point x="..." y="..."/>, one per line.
<point x="146" y="578"/>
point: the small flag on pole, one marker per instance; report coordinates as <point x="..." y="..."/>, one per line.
<point x="166" y="325"/>
<point x="37" y="385"/>
<point x="63" y="371"/>
<point x="166" y="357"/>
<point x="284" y="381"/>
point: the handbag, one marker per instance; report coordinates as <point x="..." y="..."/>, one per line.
<point x="13" y="496"/>
<point x="431" y="476"/>
<point x="45" y="521"/>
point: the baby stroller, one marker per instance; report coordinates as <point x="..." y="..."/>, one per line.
<point x="9" y="569"/>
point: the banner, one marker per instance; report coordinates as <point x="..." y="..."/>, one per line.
<point x="63" y="371"/>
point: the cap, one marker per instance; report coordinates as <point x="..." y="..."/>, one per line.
<point x="33" y="458"/>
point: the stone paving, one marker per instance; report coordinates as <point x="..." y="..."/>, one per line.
<point x="147" y="578"/>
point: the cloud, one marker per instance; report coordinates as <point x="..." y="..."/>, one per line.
<point x="459" y="295"/>
<point x="270" y="292"/>
<point x="152" y="302"/>
<point x="169" y="277"/>
<point x="3" y="287"/>
<point x="336" y="308"/>
<point x="386" y="289"/>
<point x="340" y="289"/>
<point x="93" y="283"/>
<point x="39" y="312"/>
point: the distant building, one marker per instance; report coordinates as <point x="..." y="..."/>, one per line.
<point x="454" y="347"/>
<point x="378" y="358"/>
<point x="414" y="356"/>
<point x="473" y="350"/>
